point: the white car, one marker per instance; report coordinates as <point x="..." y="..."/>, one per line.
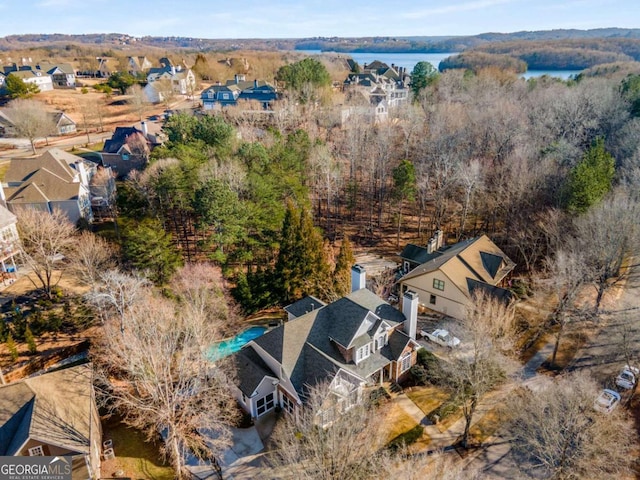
<point x="627" y="377"/>
<point x="607" y="401"/>
<point x="442" y="338"/>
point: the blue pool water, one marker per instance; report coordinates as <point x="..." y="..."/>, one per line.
<point x="227" y="347"/>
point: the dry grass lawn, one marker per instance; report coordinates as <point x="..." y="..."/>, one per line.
<point x="486" y="427"/>
<point x="135" y="457"/>
<point x="397" y="421"/>
<point x="427" y="398"/>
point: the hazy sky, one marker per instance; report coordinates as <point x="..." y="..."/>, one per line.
<point x="310" y="18"/>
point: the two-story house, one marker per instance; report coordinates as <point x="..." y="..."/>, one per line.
<point x="9" y="242"/>
<point x="447" y="276"/>
<point x="53" y="414"/>
<point x="55" y="179"/>
<point x="62" y="74"/>
<point x="41" y="79"/>
<point x="218" y="96"/>
<point x="139" y="64"/>
<point x="357" y="341"/>
<point x="182" y="80"/>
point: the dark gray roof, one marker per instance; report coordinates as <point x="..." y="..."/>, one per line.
<point x="304" y="305"/>
<point x="497" y="292"/>
<point x="417" y="254"/>
<point x="397" y="343"/>
<point x="250" y="369"/>
<point x="119" y="138"/>
<point x="305" y="346"/>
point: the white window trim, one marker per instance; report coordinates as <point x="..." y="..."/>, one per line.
<point x="363" y="353"/>
<point x="405" y="358"/>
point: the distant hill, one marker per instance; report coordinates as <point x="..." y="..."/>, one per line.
<point x="400" y="44"/>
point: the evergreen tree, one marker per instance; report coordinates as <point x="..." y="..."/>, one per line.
<point x="31" y="342"/>
<point x="301" y="268"/>
<point x="11" y="346"/>
<point x="342" y="270"/>
<point x="422" y="75"/>
<point x="149" y="249"/>
<point x="15" y="87"/>
<point x="590" y="180"/>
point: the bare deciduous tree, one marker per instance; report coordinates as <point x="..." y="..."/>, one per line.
<point x="30" y="120"/>
<point x="158" y="375"/>
<point x="138" y="100"/>
<point x="607" y="234"/>
<point x="90" y="257"/>
<point x="350" y="446"/>
<point x="117" y="293"/>
<point x="489" y="332"/>
<point x="46" y="239"/>
<point x="567" y="275"/>
<point x="557" y="434"/>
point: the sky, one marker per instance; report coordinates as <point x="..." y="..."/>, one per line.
<point x="310" y="18"/>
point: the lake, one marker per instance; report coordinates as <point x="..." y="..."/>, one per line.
<point x="409" y="60"/>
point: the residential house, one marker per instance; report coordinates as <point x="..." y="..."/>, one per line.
<point x="448" y="276"/>
<point x="182" y="80"/>
<point x="40" y="79"/>
<point x="105" y="66"/>
<point x="53" y="414"/>
<point x="382" y="86"/>
<point x="62" y="74"/>
<point x="259" y="91"/>
<point x="64" y="124"/>
<point x="138" y="64"/>
<point x="353" y="343"/>
<point x="55" y="179"/>
<point x="128" y="149"/>
<point x="9" y="243"/>
<point x="2" y="80"/>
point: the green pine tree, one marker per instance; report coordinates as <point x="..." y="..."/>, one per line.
<point x="11" y="346"/>
<point x="590" y="180"/>
<point x="31" y="342"/>
<point x="342" y="271"/>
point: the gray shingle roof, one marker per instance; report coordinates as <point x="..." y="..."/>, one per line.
<point x="304" y="305"/>
<point x="417" y="254"/>
<point x="250" y="369"/>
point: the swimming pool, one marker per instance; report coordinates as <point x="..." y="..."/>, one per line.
<point x="227" y="347"/>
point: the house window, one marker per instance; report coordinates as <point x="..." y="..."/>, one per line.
<point x="438" y="284"/>
<point x="432" y="299"/>
<point x="363" y="352"/>
<point x="36" y="451"/>
<point x="405" y="363"/>
<point x="287" y="404"/>
<point x="381" y="341"/>
<point x="225" y="96"/>
<point x="265" y="404"/>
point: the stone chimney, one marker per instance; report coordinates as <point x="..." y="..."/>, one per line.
<point x="431" y="245"/>
<point x="358" y="278"/>
<point x="439" y="236"/>
<point x="410" y="310"/>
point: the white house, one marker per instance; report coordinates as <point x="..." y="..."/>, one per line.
<point x="41" y="79"/>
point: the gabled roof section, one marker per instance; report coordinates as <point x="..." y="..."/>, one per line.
<point x="497" y="292"/>
<point x="477" y="259"/>
<point x="55" y="408"/>
<point x="6" y="218"/>
<point x="417" y="254"/>
<point x="251" y="370"/>
<point x="119" y="138"/>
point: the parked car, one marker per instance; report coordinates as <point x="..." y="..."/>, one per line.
<point x="627" y="377"/>
<point x="442" y="337"/>
<point x="607" y="401"/>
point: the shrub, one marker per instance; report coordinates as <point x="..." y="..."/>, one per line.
<point x="31" y="342"/>
<point x="406" y="438"/>
<point x="11" y="346"/>
<point x="433" y="372"/>
<point x="419" y="374"/>
<point x="379" y="396"/>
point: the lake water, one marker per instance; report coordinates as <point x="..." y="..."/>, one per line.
<point x="409" y="60"/>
